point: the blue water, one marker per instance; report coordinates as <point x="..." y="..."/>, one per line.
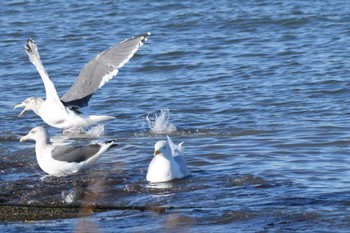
<point x="258" y="90"/>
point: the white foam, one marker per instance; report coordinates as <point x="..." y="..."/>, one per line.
<point x="96" y="131"/>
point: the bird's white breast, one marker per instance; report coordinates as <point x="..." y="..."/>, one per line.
<point x="162" y="169"/>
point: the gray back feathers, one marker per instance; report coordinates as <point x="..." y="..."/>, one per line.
<point x="72" y="154"/>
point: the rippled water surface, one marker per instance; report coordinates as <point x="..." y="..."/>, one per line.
<point x="258" y="90"/>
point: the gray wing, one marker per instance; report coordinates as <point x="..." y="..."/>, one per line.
<point x="75" y="154"/>
<point x="100" y="70"/>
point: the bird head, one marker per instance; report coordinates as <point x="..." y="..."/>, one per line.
<point x="162" y="147"/>
<point x="31" y="103"/>
<point x="35" y="133"/>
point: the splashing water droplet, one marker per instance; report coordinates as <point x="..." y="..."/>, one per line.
<point x="68" y="197"/>
<point x="160" y="124"/>
<point x="93" y="132"/>
<point x="96" y="131"/>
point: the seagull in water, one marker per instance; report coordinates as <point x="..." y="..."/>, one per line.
<point x="64" y="112"/>
<point x="168" y="162"/>
<point x="61" y="160"/>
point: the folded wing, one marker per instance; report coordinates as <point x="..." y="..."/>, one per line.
<point x="72" y="154"/>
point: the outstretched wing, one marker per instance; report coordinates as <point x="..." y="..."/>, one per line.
<point x="101" y="69"/>
<point x="34" y="57"/>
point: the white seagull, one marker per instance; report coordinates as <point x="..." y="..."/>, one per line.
<point x="64" y="112"/>
<point x="168" y="162"/>
<point x="61" y="160"/>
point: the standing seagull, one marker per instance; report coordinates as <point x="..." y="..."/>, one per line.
<point x="65" y="159"/>
<point x="64" y="112"/>
<point x="168" y="162"/>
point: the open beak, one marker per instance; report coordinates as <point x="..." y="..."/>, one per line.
<point x="156" y="152"/>
<point x="21" y="106"/>
<point x="18" y="106"/>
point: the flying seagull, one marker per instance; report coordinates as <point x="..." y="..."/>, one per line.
<point x="61" y="160"/>
<point x="64" y="112"/>
<point x="168" y="162"/>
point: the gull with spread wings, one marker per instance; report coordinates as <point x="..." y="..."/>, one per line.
<point x="63" y="112"/>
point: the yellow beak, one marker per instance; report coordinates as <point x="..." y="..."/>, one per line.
<point x="24" y="138"/>
<point x="20" y="106"/>
<point x="156" y="152"/>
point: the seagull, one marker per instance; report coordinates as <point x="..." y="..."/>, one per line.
<point x="64" y="113"/>
<point x="62" y="160"/>
<point x="168" y="162"/>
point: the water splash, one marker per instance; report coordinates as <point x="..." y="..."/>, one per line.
<point x="68" y="196"/>
<point x="96" y="131"/>
<point x="160" y="124"/>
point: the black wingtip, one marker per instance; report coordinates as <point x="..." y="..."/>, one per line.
<point x="112" y="142"/>
<point x="145" y="37"/>
<point x="27" y="45"/>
